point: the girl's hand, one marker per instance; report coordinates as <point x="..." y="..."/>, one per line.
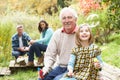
<point x="70" y="73"/>
<point x="97" y="65"/>
<point x="32" y="41"/>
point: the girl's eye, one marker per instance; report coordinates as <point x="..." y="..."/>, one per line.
<point x="81" y="30"/>
<point x="86" y="30"/>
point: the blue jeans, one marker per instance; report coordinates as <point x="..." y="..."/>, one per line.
<point x="39" y="79"/>
<point x="18" y="53"/>
<point x="68" y="78"/>
<point x="56" y="73"/>
<point x="37" y="49"/>
<point x="65" y="77"/>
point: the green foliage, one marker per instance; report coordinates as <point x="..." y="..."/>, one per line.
<point x="100" y="31"/>
<point x="53" y="20"/>
<point x="113" y="14"/>
<point x="37" y="7"/>
<point x="64" y="3"/>
<point x="6" y="30"/>
<point x="115" y="37"/>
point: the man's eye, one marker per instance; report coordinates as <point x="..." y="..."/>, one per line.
<point x="69" y="17"/>
<point x="64" y="18"/>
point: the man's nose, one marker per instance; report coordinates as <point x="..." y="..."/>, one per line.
<point x="66" y="19"/>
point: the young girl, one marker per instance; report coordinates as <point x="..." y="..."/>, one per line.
<point x="81" y="65"/>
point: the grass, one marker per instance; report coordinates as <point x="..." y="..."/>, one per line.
<point x="21" y="75"/>
<point x="111" y="51"/>
<point x="6" y="31"/>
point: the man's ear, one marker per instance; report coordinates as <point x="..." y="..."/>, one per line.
<point x="76" y="19"/>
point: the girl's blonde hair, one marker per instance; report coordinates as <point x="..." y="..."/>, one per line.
<point x="78" y="40"/>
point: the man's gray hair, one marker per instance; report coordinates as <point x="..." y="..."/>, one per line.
<point x="19" y="26"/>
<point x="68" y="9"/>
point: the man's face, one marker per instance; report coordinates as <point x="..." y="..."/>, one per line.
<point x="68" y="21"/>
<point x="20" y="31"/>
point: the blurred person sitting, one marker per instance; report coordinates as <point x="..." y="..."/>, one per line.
<point x="20" y="42"/>
<point x="39" y="46"/>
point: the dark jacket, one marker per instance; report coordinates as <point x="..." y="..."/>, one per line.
<point x="15" y="40"/>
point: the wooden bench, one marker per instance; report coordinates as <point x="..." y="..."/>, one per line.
<point x="4" y="71"/>
<point x="110" y="72"/>
<point x="14" y="67"/>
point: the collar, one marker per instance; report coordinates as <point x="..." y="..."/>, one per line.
<point x="75" y="29"/>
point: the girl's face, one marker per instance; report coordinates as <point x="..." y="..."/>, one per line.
<point x="84" y="34"/>
<point x="43" y="25"/>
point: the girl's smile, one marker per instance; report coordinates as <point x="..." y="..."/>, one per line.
<point x="84" y="33"/>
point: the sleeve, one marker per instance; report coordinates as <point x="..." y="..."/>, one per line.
<point x="15" y="48"/>
<point x="14" y="44"/>
<point x="47" y="37"/>
<point x="71" y="62"/>
<point x="99" y="59"/>
<point x="27" y="37"/>
<point x="96" y="51"/>
<point x="51" y="53"/>
<point x="98" y="54"/>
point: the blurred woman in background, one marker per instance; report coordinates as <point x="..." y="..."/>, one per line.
<point x="39" y="46"/>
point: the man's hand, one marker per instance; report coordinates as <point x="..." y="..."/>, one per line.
<point x="44" y="72"/>
<point x="21" y="49"/>
<point x="26" y="48"/>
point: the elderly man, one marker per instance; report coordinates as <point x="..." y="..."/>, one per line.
<point x="20" y="42"/>
<point x="60" y="46"/>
